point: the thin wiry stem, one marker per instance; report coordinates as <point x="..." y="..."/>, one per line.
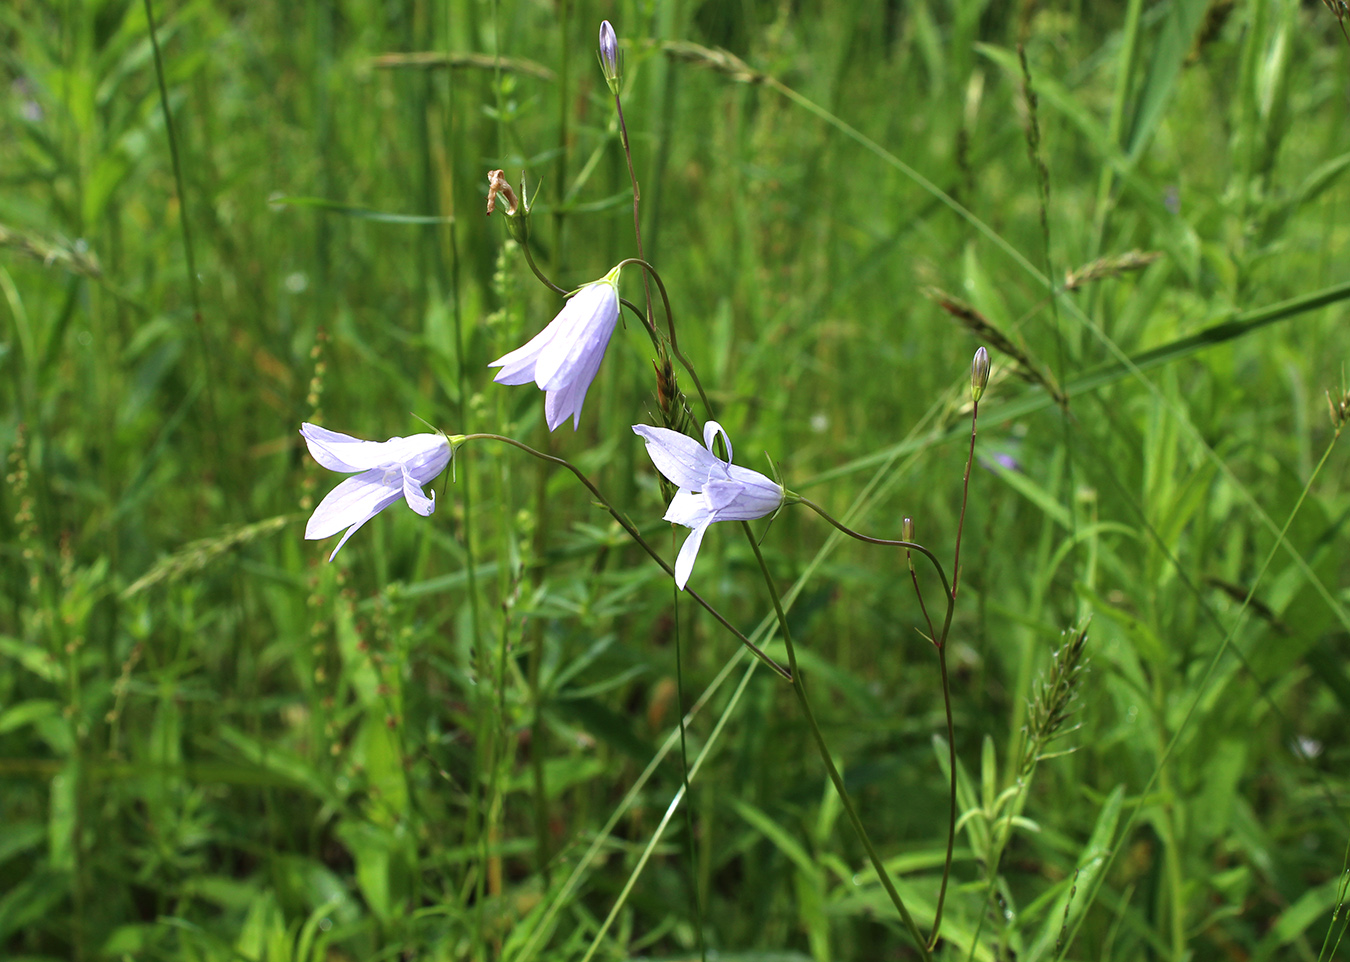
<point x="946" y="685"/>
<point x="186" y="223"/>
<point x="633" y="533"/>
<point x="799" y="689"/>
<point x="543" y="278"/>
<point x="670" y="327"/>
<point x="637" y="200"/>
<point x="684" y="773"/>
<point x="940" y="641"/>
<point x="951" y="797"/>
<point x="965" y="494"/>
<point x="889" y="543"/>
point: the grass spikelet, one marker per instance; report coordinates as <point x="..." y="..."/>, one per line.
<point x="314" y="401"/>
<point x="1104" y="267"/>
<point x="200" y="554"/>
<point x="74" y="257"/>
<point x="1054" y="699"/>
<point x="985" y="330"/>
<point x="719" y="60"/>
<point x="25" y="519"/>
<point x="1340" y="409"/>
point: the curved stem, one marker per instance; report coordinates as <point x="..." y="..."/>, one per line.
<point x="636" y="536"/>
<point x="670" y="329"/>
<point x="940" y="642"/>
<point x="799" y="689"/>
<point x="888" y="543"/>
<point x="529" y="259"/>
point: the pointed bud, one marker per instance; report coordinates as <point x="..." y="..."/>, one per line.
<point x="609" y="55"/>
<point x="979" y="374"/>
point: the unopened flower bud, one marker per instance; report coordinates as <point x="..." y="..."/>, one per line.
<point x="979" y="374"/>
<point x="609" y="55"/>
<point x="907" y="529"/>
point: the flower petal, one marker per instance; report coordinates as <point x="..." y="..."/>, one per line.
<point x="721" y="494"/>
<point x="354" y="502"/>
<point x="334" y="451"/>
<point x="758" y="495"/>
<point x="348" y="455"/>
<point x="710" y="432"/>
<point x="684" y="561"/>
<point x="416" y="498"/>
<point x="517" y="367"/>
<point x="684" y="462"/>
<point x="688" y="509"/>
<point x="588" y="319"/>
<point x="568" y="399"/>
<point x="347" y="534"/>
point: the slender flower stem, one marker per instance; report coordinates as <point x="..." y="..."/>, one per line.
<point x="889" y="543"/>
<point x="637" y="200"/>
<point x="684" y="772"/>
<point x="670" y="327"/>
<point x="914" y="577"/>
<point x="799" y="689"/>
<point x="637" y="537"/>
<point x="965" y="494"/>
<point x="543" y="278"/>
<point x="185" y="222"/>
<point x="951" y="797"/>
<point x="940" y="642"/>
<point x="946" y="685"/>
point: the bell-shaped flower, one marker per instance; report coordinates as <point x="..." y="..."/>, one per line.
<point x="385" y="471"/>
<point x="710" y="489"/>
<point x="563" y="358"/>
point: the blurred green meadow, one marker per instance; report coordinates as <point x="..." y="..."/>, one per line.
<point x="460" y="739"/>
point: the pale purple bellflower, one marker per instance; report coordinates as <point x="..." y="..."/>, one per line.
<point x="563" y="358"/>
<point x="385" y="471"/>
<point x="710" y="489"/>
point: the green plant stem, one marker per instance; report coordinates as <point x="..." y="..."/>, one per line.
<point x="889" y="543"/>
<point x="965" y="495"/>
<point x="543" y="278"/>
<point x="946" y="684"/>
<point x="684" y="773"/>
<point x="799" y="689"/>
<point x="670" y="328"/>
<point x="633" y="533"/>
<point x="637" y="201"/>
<point x="940" y="642"/>
<point x="951" y="798"/>
<point x="193" y="287"/>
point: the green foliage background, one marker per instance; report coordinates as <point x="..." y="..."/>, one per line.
<point x="455" y="742"/>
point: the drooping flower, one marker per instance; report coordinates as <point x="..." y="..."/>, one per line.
<point x="710" y="489"/>
<point x="385" y="471"/>
<point x="563" y="358"/>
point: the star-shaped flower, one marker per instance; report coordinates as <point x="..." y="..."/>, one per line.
<point x="710" y="489"/>
<point x="388" y="470"/>
<point x="563" y="358"/>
